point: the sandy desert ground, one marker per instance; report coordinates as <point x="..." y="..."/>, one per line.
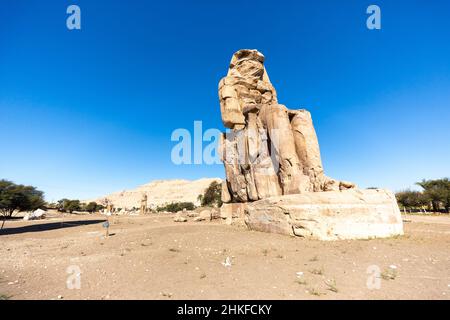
<point x="152" y="257"/>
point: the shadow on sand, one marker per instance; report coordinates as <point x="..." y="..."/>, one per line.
<point x="47" y="226"/>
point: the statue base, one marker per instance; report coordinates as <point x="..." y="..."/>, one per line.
<point x="333" y="215"/>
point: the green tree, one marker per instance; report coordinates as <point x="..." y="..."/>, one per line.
<point x="66" y="205"/>
<point x="438" y="193"/>
<point x="411" y="199"/>
<point x="61" y="203"/>
<point x="176" y="206"/>
<point x="73" y="205"/>
<point x="213" y="195"/>
<point x="52" y="205"/>
<point x="92" y="207"/>
<point x="17" y="197"/>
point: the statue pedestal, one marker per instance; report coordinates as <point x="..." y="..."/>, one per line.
<point x="233" y="213"/>
<point x="333" y="215"/>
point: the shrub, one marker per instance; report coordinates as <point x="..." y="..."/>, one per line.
<point x="212" y="195"/>
<point x="411" y="199"/>
<point x="66" y="205"/>
<point x="93" y="207"/>
<point x="176" y="206"/>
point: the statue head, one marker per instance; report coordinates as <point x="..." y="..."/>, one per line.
<point x="248" y="63"/>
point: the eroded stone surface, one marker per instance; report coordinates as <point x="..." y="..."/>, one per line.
<point x="233" y="213"/>
<point x="334" y="215"/>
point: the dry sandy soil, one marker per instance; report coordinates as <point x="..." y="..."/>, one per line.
<point x="152" y="257"/>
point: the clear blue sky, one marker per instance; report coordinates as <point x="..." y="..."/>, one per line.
<point x="84" y="113"/>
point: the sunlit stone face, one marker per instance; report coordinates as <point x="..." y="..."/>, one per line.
<point x="250" y="68"/>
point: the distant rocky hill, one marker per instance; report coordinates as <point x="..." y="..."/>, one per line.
<point x="160" y="192"/>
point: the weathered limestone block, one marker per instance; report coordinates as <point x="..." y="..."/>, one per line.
<point x="204" y="215"/>
<point x="208" y="214"/>
<point x="233" y="213"/>
<point x="245" y="164"/>
<point x="306" y="143"/>
<point x="264" y="175"/>
<point x="230" y="157"/>
<point x="336" y="215"/>
<point x="228" y="91"/>
<point x="253" y="137"/>
<point x="179" y="218"/>
<point x="192" y="214"/>
<point x="275" y="119"/>
<point x="215" y="214"/>
<point x="226" y="197"/>
<point x="231" y="112"/>
<point x="251" y="186"/>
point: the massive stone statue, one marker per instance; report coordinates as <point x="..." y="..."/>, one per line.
<point x="269" y="151"/>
